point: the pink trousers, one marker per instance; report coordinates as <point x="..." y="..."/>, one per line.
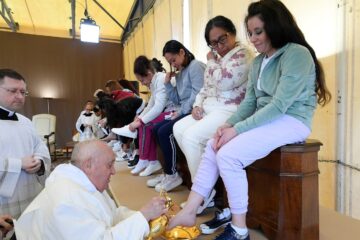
<point x="147" y="142"/>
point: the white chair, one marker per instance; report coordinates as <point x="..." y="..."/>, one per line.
<point x="45" y="125"/>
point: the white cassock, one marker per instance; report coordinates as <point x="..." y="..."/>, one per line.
<point x="87" y="119"/>
<point x="70" y="207"/>
<point x="18" y="188"/>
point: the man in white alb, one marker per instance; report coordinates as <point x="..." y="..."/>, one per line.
<point x="24" y="158"/>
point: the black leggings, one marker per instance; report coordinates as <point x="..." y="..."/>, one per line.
<point x="163" y="132"/>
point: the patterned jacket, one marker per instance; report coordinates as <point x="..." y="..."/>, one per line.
<point x="225" y="78"/>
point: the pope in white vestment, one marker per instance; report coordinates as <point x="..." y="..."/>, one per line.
<point x="75" y="205"/>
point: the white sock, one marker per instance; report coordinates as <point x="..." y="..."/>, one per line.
<point x="241" y="231"/>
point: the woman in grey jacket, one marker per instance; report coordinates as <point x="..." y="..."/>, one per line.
<point x="189" y="76"/>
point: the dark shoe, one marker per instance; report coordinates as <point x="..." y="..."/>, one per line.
<point x="132" y="163"/>
<point x="221" y="219"/>
<point x="230" y="234"/>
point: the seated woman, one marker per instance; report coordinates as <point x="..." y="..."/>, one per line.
<point x="189" y="81"/>
<point x="119" y="114"/>
<point x="151" y="74"/>
<point x="285" y="82"/>
<point x="224" y="88"/>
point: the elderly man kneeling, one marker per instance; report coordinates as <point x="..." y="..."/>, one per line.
<point x="75" y="205"/>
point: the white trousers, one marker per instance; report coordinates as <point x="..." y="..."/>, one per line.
<point x="192" y="135"/>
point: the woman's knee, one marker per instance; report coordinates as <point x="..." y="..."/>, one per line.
<point x="177" y="131"/>
<point x="226" y="160"/>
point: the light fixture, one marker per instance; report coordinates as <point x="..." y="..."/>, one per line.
<point x="89" y="31"/>
<point x="48" y="103"/>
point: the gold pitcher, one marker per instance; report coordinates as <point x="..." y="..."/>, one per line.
<point x="158" y="225"/>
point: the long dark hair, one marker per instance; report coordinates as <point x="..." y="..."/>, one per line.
<point x="142" y="65"/>
<point x="174" y="47"/>
<point x="119" y="113"/>
<point x="220" y="22"/>
<point x="281" y="28"/>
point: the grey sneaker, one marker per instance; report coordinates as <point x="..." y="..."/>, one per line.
<point x="169" y="183"/>
<point x="155" y="181"/>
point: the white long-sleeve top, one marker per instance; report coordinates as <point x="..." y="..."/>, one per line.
<point x="18" y="188"/>
<point x="70" y="207"/>
<point x="157" y="100"/>
<point x="225" y="79"/>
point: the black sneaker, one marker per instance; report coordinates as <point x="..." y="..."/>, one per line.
<point x="132" y="163"/>
<point x="221" y="219"/>
<point x="230" y="234"/>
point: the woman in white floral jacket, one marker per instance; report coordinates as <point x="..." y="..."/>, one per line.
<point x="224" y="88"/>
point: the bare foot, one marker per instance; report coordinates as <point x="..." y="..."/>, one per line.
<point x="183" y="218"/>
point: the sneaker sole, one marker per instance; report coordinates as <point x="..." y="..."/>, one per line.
<point x="208" y="231"/>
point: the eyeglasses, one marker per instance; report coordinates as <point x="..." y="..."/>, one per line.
<point x="14" y="91"/>
<point x="221" y="40"/>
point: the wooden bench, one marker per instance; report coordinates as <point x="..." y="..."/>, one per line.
<point x="283" y="192"/>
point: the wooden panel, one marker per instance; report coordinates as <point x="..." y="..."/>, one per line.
<point x="69" y="70"/>
<point x="287" y="206"/>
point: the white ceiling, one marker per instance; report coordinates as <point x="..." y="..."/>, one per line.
<point x="53" y="17"/>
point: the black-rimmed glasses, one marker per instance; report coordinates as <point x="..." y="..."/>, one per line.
<point x="221" y="40"/>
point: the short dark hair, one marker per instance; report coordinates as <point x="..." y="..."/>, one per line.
<point x="220" y="22"/>
<point x="113" y="85"/>
<point x="142" y="65"/>
<point x="174" y="47"/>
<point x="6" y="72"/>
